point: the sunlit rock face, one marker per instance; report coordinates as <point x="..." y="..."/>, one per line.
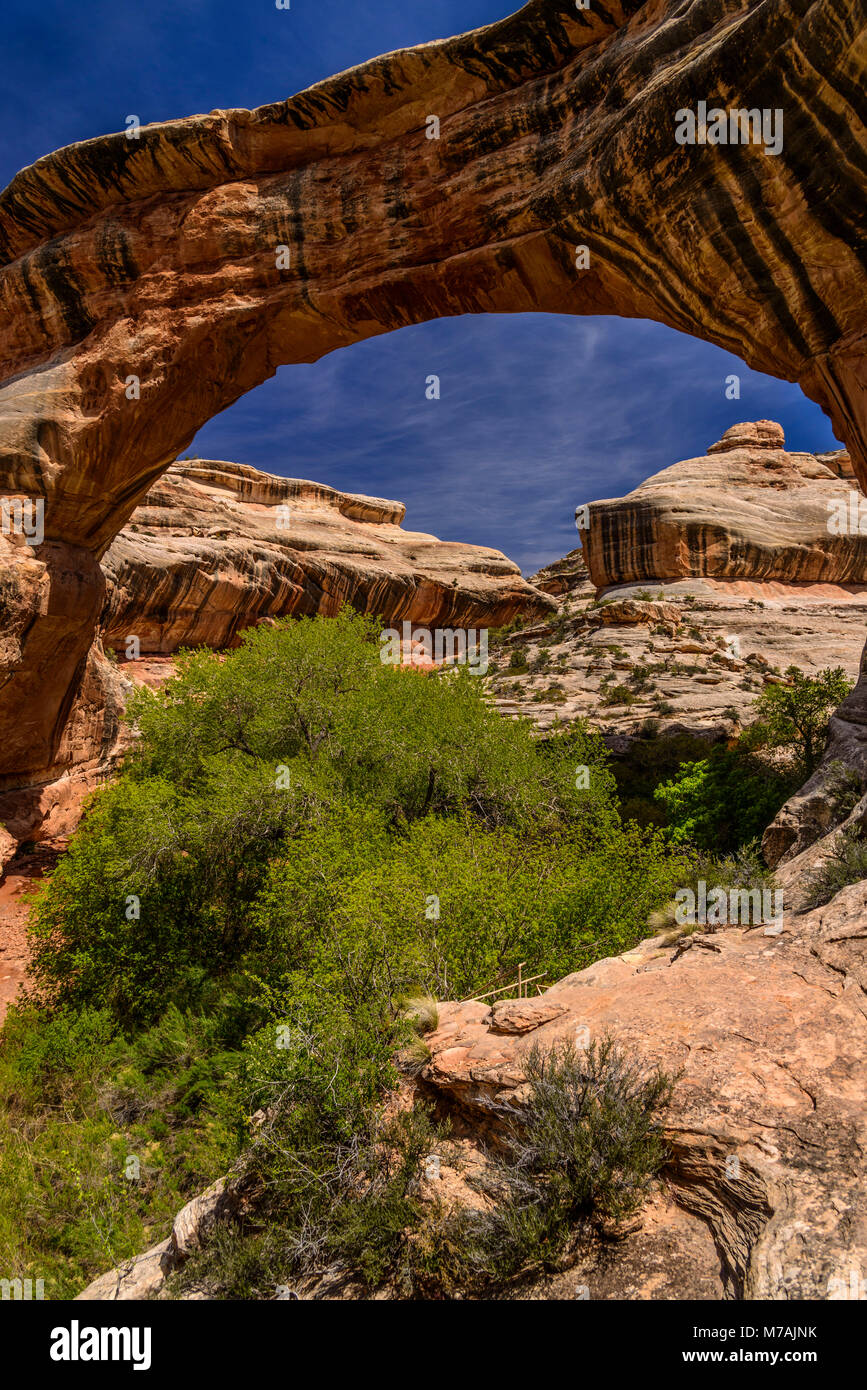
<point x="763" y="1030"/>
<point x="747" y="509"/>
<point x="217" y="547"/>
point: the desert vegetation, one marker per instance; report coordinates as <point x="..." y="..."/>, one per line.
<point x="303" y="840"/>
<point x="235" y="965"/>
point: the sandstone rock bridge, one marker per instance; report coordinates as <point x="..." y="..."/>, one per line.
<point x="156" y="258"/>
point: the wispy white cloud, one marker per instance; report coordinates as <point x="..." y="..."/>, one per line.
<point x="537" y="414"/>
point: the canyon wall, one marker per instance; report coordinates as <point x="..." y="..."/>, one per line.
<point x="147" y="283"/>
<point x="217" y="547"/>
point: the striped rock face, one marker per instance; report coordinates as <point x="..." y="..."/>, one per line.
<point x="698" y="163"/>
<point x="218" y="547"/>
<point x="747" y="510"/>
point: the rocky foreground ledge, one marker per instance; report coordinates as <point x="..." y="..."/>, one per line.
<point x="766" y="1027"/>
<point x="763" y="1196"/>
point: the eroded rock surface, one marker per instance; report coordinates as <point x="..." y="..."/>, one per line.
<point x="748" y="509"/>
<point x="693" y="656"/>
<point x="217" y="547"/>
<point x="766" y="1129"/>
<point x="143" y="288"/>
<point x="718" y="613"/>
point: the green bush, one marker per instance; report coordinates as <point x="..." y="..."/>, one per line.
<point x="303" y="839"/>
<point x="795" y="716"/>
<point x="618" y="695"/>
<point x="244" y="756"/>
<point x="846" y="864"/>
<point x="587" y="1145"/>
<point x="725" y="800"/>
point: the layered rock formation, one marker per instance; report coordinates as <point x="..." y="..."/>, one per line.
<point x="747" y="509"/>
<point x="217" y="547"/>
<point x="747" y="521"/>
<point x="146" y="283"/>
<point x="47" y="805"/>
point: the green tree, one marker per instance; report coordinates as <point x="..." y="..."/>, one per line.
<point x="795" y="716"/>
<point x="299" y="746"/>
<point x="302" y="837"/>
<point x="725" y="800"/>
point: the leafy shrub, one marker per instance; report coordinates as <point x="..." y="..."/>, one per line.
<point x="724" y="800"/>
<point x="795" y="716"/>
<point x="846" y="864"/>
<point x="302" y="838"/>
<point x="618" y="695"/>
<point x="302" y="728"/>
<point x="336" y="1173"/>
<point x="588" y="1144"/>
<point x="552" y="694"/>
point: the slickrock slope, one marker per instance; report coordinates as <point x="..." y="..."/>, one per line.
<point x="216" y="547"/>
<point x="142" y="286"/>
<point x="766" y="1028"/>
<point x="746" y="521"/>
<point x="746" y="510"/>
<point x="690" y="654"/>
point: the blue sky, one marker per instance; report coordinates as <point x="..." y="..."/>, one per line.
<point x="537" y="413"/>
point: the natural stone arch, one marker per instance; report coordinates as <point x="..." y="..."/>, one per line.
<point x="156" y="258"/>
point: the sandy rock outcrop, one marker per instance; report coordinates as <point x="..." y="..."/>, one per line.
<point x="765" y="1029"/>
<point x="691" y="653"/>
<point x="143" y="287"/>
<point x="567" y="576"/>
<point x="747" y="509"/>
<point x="692" y="657"/>
<point x="217" y="547"/>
